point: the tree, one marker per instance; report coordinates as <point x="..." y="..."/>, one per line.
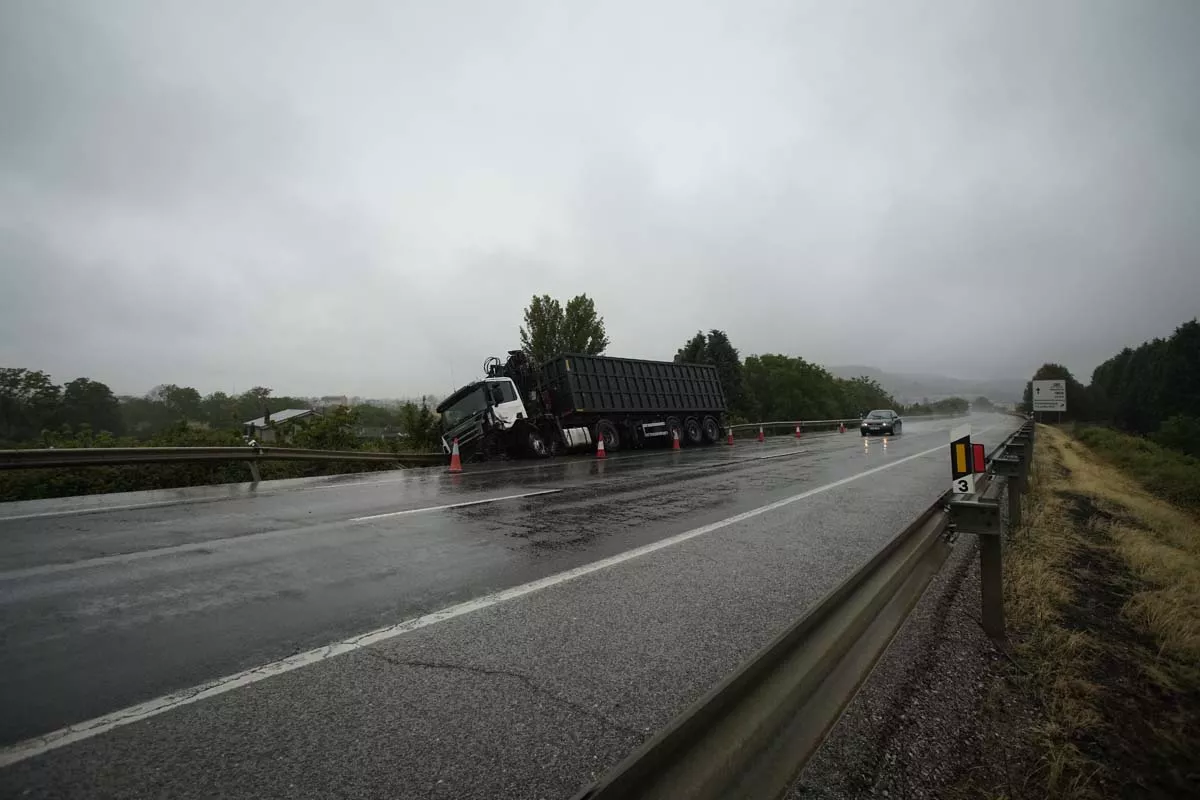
<point x="694" y="351"/>
<point x="549" y="330"/>
<point x="29" y="403"/>
<point x="421" y="426"/>
<point x="780" y="387"/>
<point x="89" y="402"/>
<point x="333" y="430"/>
<point x="863" y="394"/>
<point x="717" y="350"/>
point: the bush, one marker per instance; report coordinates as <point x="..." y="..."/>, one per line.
<point x="1180" y="432"/>
<point x="1165" y="472"/>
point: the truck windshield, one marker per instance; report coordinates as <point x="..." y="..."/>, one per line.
<point x="468" y="405"/>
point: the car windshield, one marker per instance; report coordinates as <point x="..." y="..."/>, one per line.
<point x="467" y="406"/>
<point x="879" y="415"/>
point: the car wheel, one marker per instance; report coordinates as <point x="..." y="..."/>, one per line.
<point x="692" y="433"/>
<point x="864" y="433"/>
<point x="712" y="430"/>
<point x="899" y="428"/>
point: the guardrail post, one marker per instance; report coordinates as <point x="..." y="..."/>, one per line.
<point x="991" y="583"/>
<point x="1014" y="505"/>
<point x="1021" y="449"/>
<point x="980" y="514"/>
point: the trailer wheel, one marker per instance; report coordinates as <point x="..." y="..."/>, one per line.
<point x="608" y="432"/>
<point x="712" y="430"/>
<point x="673" y="427"/>
<point x="692" y="432"/>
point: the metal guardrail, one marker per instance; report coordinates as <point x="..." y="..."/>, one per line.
<point x="803" y="423"/>
<point x="751" y="736"/>
<point x="811" y="424"/>
<point x="124" y="456"/>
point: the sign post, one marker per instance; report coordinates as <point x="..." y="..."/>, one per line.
<point x="962" y="476"/>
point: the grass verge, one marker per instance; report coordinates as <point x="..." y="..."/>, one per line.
<point x="1102" y="592"/>
<point x="1166" y="473"/>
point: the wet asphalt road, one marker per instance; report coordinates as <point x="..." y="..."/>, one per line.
<point x="105" y="607"/>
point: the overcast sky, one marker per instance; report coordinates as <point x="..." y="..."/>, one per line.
<point x="361" y="197"/>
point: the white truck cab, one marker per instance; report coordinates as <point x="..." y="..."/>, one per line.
<point x="505" y="401"/>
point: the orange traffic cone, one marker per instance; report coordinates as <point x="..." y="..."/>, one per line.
<point x="455" y="458"/>
<point x="761" y="438"/>
<point x="675" y="440"/>
<point x="797" y="431"/>
<point x="600" y="447"/>
<point x="730" y="429"/>
<point x="841" y="427"/>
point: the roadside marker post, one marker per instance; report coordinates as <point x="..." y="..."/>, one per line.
<point x="979" y="514"/>
<point x="962" y="477"/>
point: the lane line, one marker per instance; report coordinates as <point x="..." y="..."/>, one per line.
<point x="455" y="505"/>
<point x="94" y="727"/>
<point x="126" y="507"/>
<point x="190" y="547"/>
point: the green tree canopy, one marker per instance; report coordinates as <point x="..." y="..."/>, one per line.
<point x="550" y="330"/>
<point x="88" y="402"/>
<point x="29" y="403"/>
<point x="1140" y="388"/>
<point x="717" y="350"/>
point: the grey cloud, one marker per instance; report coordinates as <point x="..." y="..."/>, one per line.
<point x="362" y="197"/>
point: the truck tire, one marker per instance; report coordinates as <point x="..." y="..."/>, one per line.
<point x="711" y="429"/>
<point x="693" y="434"/>
<point x="535" y="444"/>
<point x="607" y="431"/>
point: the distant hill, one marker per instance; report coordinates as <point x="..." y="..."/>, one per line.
<point x="913" y="387"/>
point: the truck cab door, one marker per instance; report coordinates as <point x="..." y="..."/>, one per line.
<point x="505" y="402"/>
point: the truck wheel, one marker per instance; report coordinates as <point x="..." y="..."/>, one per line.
<point x="674" y="427"/>
<point x="608" y="432"/>
<point x="711" y="429"/>
<point x="535" y="445"/>
<point x="692" y="433"/>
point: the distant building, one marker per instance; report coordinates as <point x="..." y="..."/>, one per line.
<point x="279" y="426"/>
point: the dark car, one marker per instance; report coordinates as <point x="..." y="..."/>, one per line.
<point x="883" y="421"/>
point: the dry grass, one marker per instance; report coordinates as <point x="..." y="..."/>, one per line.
<point x="1102" y="591"/>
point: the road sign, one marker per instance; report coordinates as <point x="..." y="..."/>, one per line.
<point x="1050" y="395"/>
<point x="962" y="479"/>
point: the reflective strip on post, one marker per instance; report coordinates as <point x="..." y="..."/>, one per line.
<point x="962" y="481"/>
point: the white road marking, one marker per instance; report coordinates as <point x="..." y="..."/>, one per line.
<point x="191" y="547"/>
<point x="102" y="509"/>
<point x="94" y="727"/>
<point x="455" y="505"/>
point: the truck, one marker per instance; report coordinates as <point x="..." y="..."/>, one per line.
<point x="569" y="403"/>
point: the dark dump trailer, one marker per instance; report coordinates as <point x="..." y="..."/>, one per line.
<point x="573" y="400"/>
